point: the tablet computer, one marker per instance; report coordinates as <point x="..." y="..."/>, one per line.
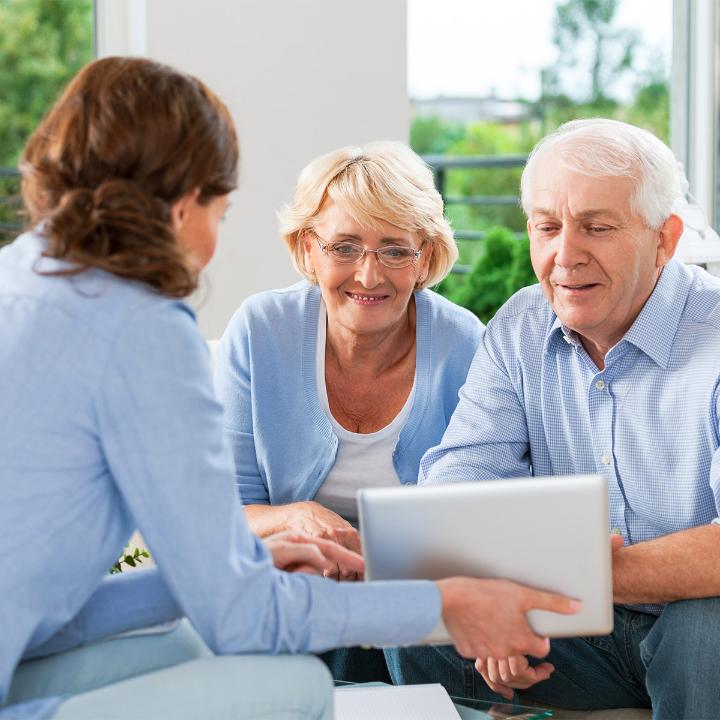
<point x="549" y="533"/>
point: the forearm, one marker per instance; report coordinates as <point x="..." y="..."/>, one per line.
<point x="679" y="566"/>
<point x="120" y="603"/>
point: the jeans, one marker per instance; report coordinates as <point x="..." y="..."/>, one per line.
<point x="173" y="676"/>
<point x="668" y="663"/>
<point x="357" y="665"/>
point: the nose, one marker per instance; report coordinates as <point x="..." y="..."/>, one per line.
<point x="369" y="271"/>
<point x="569" y="247"/>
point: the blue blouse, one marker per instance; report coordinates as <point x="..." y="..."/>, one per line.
<point x="265" y="376"/>
<point x="110" y="422"/>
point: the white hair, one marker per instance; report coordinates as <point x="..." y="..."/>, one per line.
<point x="609" y="148"/>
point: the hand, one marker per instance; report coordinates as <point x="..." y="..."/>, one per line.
<point x="487" y="618"/>
<point x="298" y="552"/>
<point x="312" y="518"/>
<point x="512" y="673"/>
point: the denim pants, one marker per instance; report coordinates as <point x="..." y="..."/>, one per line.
<point x="669" y="663"/>
<point x="173" y="676"/>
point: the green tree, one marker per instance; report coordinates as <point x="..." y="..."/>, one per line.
<point x="43" y="43"/>
<point x="590" y="24"/>
<point x="500" y="271"/>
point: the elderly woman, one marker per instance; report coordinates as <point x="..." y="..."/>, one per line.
<point x="345" y="379"/>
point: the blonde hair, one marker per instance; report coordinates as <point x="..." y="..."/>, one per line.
<point x="380" y="181"/>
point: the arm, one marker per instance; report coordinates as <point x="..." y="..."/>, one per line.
<point x="162" y="436"/>
<point x="475" y="445"/>
<point x="233" y="388"/>
<point x="679" y="566"/>
<point x="123" y="602"/>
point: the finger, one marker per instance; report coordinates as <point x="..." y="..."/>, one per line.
<point x="503" y="671"/>
<point x="542" y="672"/>
<point x="501" y="689"/>
<point x="616" y="542"/>
<point x="518" y="664"/>
<point x="540" y="600"/>
<point x="536" y="646"/>
<point x="491" y="666"/>
<point x="340" y="555"/>
<point x="481" y="665"/>
<point x="305" y="554"/>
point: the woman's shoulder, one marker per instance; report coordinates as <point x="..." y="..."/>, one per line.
<point x="268" y="310"/>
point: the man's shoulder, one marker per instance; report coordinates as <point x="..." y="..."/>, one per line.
<point x="527" y="305"/>
<point x="703" y="306"/>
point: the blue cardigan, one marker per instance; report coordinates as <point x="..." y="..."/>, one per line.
<point x="283" y="442"/>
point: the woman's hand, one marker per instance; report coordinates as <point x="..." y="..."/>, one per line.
<point x="315" y="519"/>
<point x="488" y="618"/>
<point x="299" y="552"/>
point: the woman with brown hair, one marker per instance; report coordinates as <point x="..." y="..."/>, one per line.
<point x="114" y="425"/>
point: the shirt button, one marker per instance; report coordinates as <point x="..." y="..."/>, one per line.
<point x="600" y="384"/>
<point x="605" y="459"/>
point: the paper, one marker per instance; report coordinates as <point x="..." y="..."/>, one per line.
<point x="387" y="702"/>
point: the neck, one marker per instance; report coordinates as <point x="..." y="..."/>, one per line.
<point x="371" y="353"/>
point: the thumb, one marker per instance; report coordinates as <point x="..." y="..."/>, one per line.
<point x="616" y="542"/>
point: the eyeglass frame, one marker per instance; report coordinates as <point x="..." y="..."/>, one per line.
<point x="323" y="245"/>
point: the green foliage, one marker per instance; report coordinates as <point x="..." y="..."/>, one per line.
<point x="500" y="271"/>
<point x="580" y="23"/>
<point x="43" y="43"/>
<point x="131" y="559"/>
<point x="432" y="136"/>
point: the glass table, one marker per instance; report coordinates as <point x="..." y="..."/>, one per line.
<point x="470" y="709"/>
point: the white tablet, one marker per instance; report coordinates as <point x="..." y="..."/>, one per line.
<point x="548" y="532"/>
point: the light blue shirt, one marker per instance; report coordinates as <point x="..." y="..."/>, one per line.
<point x="535" y="403"/>
<point x="265" y="375"/>
<point x="110" y="422"/>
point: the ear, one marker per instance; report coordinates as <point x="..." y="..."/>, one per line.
<point x="179" y="209"/>
<point x="304" y="238"/>
<point x="668" y="238"/>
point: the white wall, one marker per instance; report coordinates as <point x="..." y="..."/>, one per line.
<point x="301" y="77"/>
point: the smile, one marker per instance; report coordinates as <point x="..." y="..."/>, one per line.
<point x="363" y="299"/>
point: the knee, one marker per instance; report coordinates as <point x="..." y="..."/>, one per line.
<point x="683" y="629"/>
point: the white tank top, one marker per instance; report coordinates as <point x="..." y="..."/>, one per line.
<point x="363" y="459"/>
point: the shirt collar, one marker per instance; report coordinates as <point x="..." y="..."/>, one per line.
<point x="654" y="329"/>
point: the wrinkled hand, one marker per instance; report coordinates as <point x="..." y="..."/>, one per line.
<point x="299" y="552"/>
<point x="512" y="673"/>
<point x="488" y="618"/>
<point x="314" y="519"/>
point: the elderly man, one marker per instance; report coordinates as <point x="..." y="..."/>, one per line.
<point x="610" y="365"/>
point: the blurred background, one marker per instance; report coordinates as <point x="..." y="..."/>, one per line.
<point x="470" y="84"/>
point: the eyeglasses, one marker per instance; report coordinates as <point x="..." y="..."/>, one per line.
<point x="348" y="253"/>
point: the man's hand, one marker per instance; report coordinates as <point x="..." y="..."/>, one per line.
<point x="488" y="618"/>
<point x="512" y="673"/>
<point x="299" y="552"/>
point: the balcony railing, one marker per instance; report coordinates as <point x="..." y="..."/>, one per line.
<point x="442" y="164"/>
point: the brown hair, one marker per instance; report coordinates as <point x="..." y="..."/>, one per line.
<point x="126" y="139"/>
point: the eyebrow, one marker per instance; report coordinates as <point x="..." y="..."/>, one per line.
<point x="585" y="215"/>
<point x="384" y="240"/>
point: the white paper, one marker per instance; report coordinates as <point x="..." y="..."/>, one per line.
<point x="387" y="702"/>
